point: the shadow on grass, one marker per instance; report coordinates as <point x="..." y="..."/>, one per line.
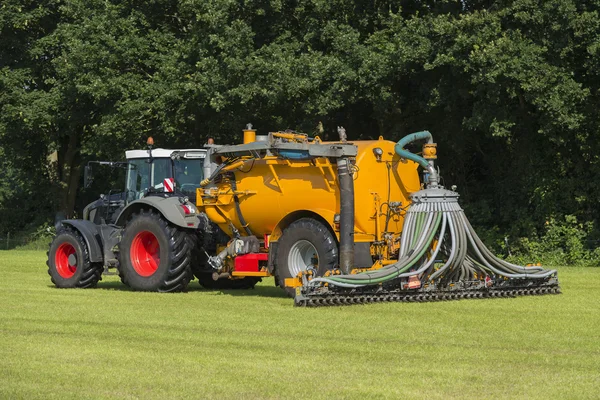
<point x="260" y="291"/>
<point x="114" y="285"/>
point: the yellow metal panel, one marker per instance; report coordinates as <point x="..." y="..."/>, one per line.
<point x="249" y="273"/>
<point x="249" y="135"/>
<point x="292" y="282"/>
<point x="282" y="187"/>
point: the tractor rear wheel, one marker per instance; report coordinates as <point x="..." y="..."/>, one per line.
<point x="305" y="243"/>
<point x="69" y="263"/>
<point x="154" y="255"/>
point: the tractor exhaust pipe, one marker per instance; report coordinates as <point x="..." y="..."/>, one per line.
<point x="346" y="181"/>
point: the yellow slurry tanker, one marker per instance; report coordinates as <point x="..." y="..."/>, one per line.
<point x="335" y="223"/>
<point x="345" y="222"/>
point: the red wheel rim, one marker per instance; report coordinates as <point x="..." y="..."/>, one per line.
<point x="66" y="268"/>
<point x="145" y="253"/>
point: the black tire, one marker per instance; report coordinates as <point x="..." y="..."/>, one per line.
<point x="154" y="255"/>
<point x="203" y="271"/>
<point x="69" y="263"/>
<point x="296" y="235"/>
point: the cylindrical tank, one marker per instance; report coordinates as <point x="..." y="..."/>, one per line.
<point x="273" y="191"/>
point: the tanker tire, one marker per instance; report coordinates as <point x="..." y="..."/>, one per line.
<point x="68" y="243"/>
<point x="203" y="272"/>
<point x="320" y="238"/>
<point x="147" y="235"/>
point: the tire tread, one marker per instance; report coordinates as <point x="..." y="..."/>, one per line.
<point x="177" y="277"/>
<point x="92" y="272"/>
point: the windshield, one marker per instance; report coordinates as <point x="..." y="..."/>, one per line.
<point x="143" y="174"/>
<point x="188" y="175"/>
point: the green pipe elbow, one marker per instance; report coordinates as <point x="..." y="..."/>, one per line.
<point x="399" y="147"/>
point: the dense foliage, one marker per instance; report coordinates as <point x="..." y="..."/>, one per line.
<point x="510" y="90"/>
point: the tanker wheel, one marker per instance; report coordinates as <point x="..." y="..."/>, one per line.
<point x="154" y="255"/>
<point x="305" y="243"/>
<point x="203" y="271"/>
<point x="69" y="263"/>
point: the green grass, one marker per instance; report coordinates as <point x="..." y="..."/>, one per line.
<point x="113" y="343"/>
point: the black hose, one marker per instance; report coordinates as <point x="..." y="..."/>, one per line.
<point x="236" y="201"/>
<point x="346" y="215"/>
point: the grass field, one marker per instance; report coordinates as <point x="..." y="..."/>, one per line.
<point x="113" y="343"/>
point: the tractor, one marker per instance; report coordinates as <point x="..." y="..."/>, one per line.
<point x="153" y="219"/>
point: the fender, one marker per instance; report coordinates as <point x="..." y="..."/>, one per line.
<point x="320" y="214"/>
<point x="169" y="207"/>
<point x="91" y="235"/>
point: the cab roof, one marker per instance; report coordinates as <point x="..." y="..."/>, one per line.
<point x="165" y="153"/>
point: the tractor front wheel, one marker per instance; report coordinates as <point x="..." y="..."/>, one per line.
<point x="305" y="243"/>
<point x="69" y="263"/>
<point x="154" y="255"/>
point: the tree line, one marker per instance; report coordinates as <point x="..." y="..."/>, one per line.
<point x="510" y="90"/>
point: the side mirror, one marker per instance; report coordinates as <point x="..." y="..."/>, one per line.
<point x="88" y="178"/>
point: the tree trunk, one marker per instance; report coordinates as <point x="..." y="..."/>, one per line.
<point x="69" y="172"/>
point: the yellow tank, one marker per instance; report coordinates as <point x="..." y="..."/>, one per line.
<point x="273" y="192"/>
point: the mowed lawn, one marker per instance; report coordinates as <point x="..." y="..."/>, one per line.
<point x="113" y="343"/>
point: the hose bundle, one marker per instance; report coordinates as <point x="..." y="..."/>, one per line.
<point x="438" y="245"/>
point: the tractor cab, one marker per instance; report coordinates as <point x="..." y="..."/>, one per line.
<point x="148" y="172"/>
<point x="161" y="171"/>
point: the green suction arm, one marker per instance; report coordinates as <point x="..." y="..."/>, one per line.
<point x="402" y="152"/>
<point x="413" y="137"/>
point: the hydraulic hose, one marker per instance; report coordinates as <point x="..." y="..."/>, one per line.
<point x="452" y="257"/>
<point x="392" y="271"/>
<point x="238" y="209"/>
<point x="425" y="228"/>
<point x="431" y="227"/>
<point x="374" y="278"/>
<point x="440" y="219"/>
<point x="418" y="229"/>
<point x="495" y="270"/>
<point x="435" y="212"/>
<point x="435" y="252"/>
<point x="505" y="264"/>
<point x="408" y="221"/>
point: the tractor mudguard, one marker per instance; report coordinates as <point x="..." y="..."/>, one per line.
<point x="91" y="235"/>
<point x="171" y="209"/>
